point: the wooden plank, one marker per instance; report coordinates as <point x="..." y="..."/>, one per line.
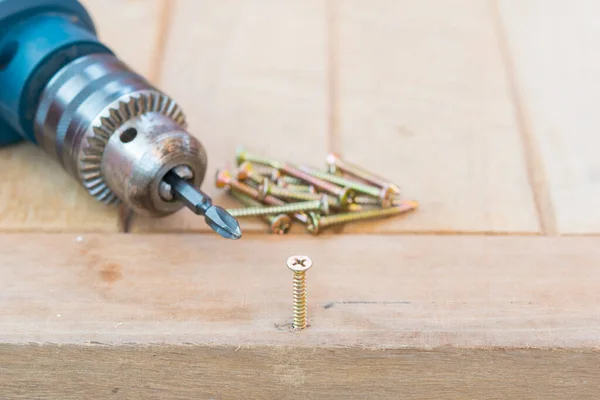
<point x="375" y="291"/>
<point x="553" y="46"/>
<point x="37" y="194"/>
<point x="139" y="316"/>
<point x="197" y="372"/>
<point x="131" y="28"/>
<point x="251" y="73"/>
<point x="424" y="100"/>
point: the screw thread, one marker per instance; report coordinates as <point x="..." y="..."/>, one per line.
<point x="259" y="179"/>
<point x="249" y="202"/>
<point x="300" y="305"/>
<point x="336" y="163"/>
<point x="296" y="188"/>
<point x="291" y="180"/>
<point x="365" y="201"/>
<point x="263" y="170"/>
<point x="358" y="172"/>
<point x="340" y="181"/>
<point x="313" y="205"/>
<point x="253" y="193"/>
<point x="304" y="196"/>
<point x="253" y="158"/>
<point x="363" y="215"/>
<point x="321" y="184"/>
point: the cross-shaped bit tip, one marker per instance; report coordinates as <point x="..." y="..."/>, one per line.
<point x="193" y="198"/>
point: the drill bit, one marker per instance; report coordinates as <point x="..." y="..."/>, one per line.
<point x="197" y="201"/>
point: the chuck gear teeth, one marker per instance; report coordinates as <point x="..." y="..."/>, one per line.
<point x="134" y="105"/>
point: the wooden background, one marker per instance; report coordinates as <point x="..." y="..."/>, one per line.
<point x="484" y="111"/>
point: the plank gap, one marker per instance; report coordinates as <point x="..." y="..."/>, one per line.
<point x="333" y="76"/>
<point x="532" y="154"/>
<point x="164" y="27"/>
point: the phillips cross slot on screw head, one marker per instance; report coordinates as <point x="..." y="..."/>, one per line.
<point x="197" y="201"/>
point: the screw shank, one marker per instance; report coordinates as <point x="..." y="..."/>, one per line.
<point x="306" y="177"/>
<point x="254" y="194"/>
<point x="314" y="205"/>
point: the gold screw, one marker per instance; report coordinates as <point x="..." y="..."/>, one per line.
<point x="268" y="189"/>
<point x="247" y="171"/>
<point x="290" y="180"/>
<point x="385" y="195"/>
<point x="344" y="194"/>
<point x="242" y="155"/>
<point x="259" y="169"/>
<point x="225" y="180"/>
<point x="336" y="164"/>
<point x="371" y="201"/>
<point x="299" y="265"/>
<point x="318" y="223"/>
<point x="280" y="224"/>
<point x="320" y="205"/>
<point x="295" y="187"/>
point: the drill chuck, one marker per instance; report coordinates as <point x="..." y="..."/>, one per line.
<point x="120" y="137"/>
<point x="117" y="134"/>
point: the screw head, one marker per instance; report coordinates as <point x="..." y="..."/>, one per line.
<point x="324" y="204"/>
<point x="332" y="159"/>
<point x="346" y="196"/>
<point x="299" y="263"/>
<point x="240" y="155"/>
<point x="313" y="223"/>
<point x="387" y="196"/>
<point x="264" y="189"/>
<point x="281" y="224"/>
<point x="223" y="178"/>
<point x="275" y="175"/>
<point x="394" y="189"/>
<point x="245" y="170"/>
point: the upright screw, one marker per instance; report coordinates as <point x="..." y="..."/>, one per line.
<point x="280" y="224"/>
<point x="268" y="189"/>
<point x="385" y="195"/>
<point x="320" y="205"/>
<point x="299" y="265"/>
<point x="335" y="163"/>
<point x="319" y="223"/>
<point x="224" y="179"/>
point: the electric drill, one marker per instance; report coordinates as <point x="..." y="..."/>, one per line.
<point x="123" y="139"/>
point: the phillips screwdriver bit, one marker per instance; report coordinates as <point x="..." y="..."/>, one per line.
<point x="197" y="201"/>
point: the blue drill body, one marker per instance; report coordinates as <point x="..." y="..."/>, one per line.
<point x="37" y="39"/>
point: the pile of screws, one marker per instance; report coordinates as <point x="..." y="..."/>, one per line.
<point x="279" y="192"/>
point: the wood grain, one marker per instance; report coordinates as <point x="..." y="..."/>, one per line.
<point x="250" y="73"/>
<point x="374" y="291"/>
<point x="131" y="28"/>
<point x="553" y="45"/>
<point x="424" y="101"/>
<point x="190" y="316"/>
<point x="228" y="372"/>
<point x="37" y="194"/>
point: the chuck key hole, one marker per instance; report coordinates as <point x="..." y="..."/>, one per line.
<point x="128" y="135"/>
<point x="7" y="53"/>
